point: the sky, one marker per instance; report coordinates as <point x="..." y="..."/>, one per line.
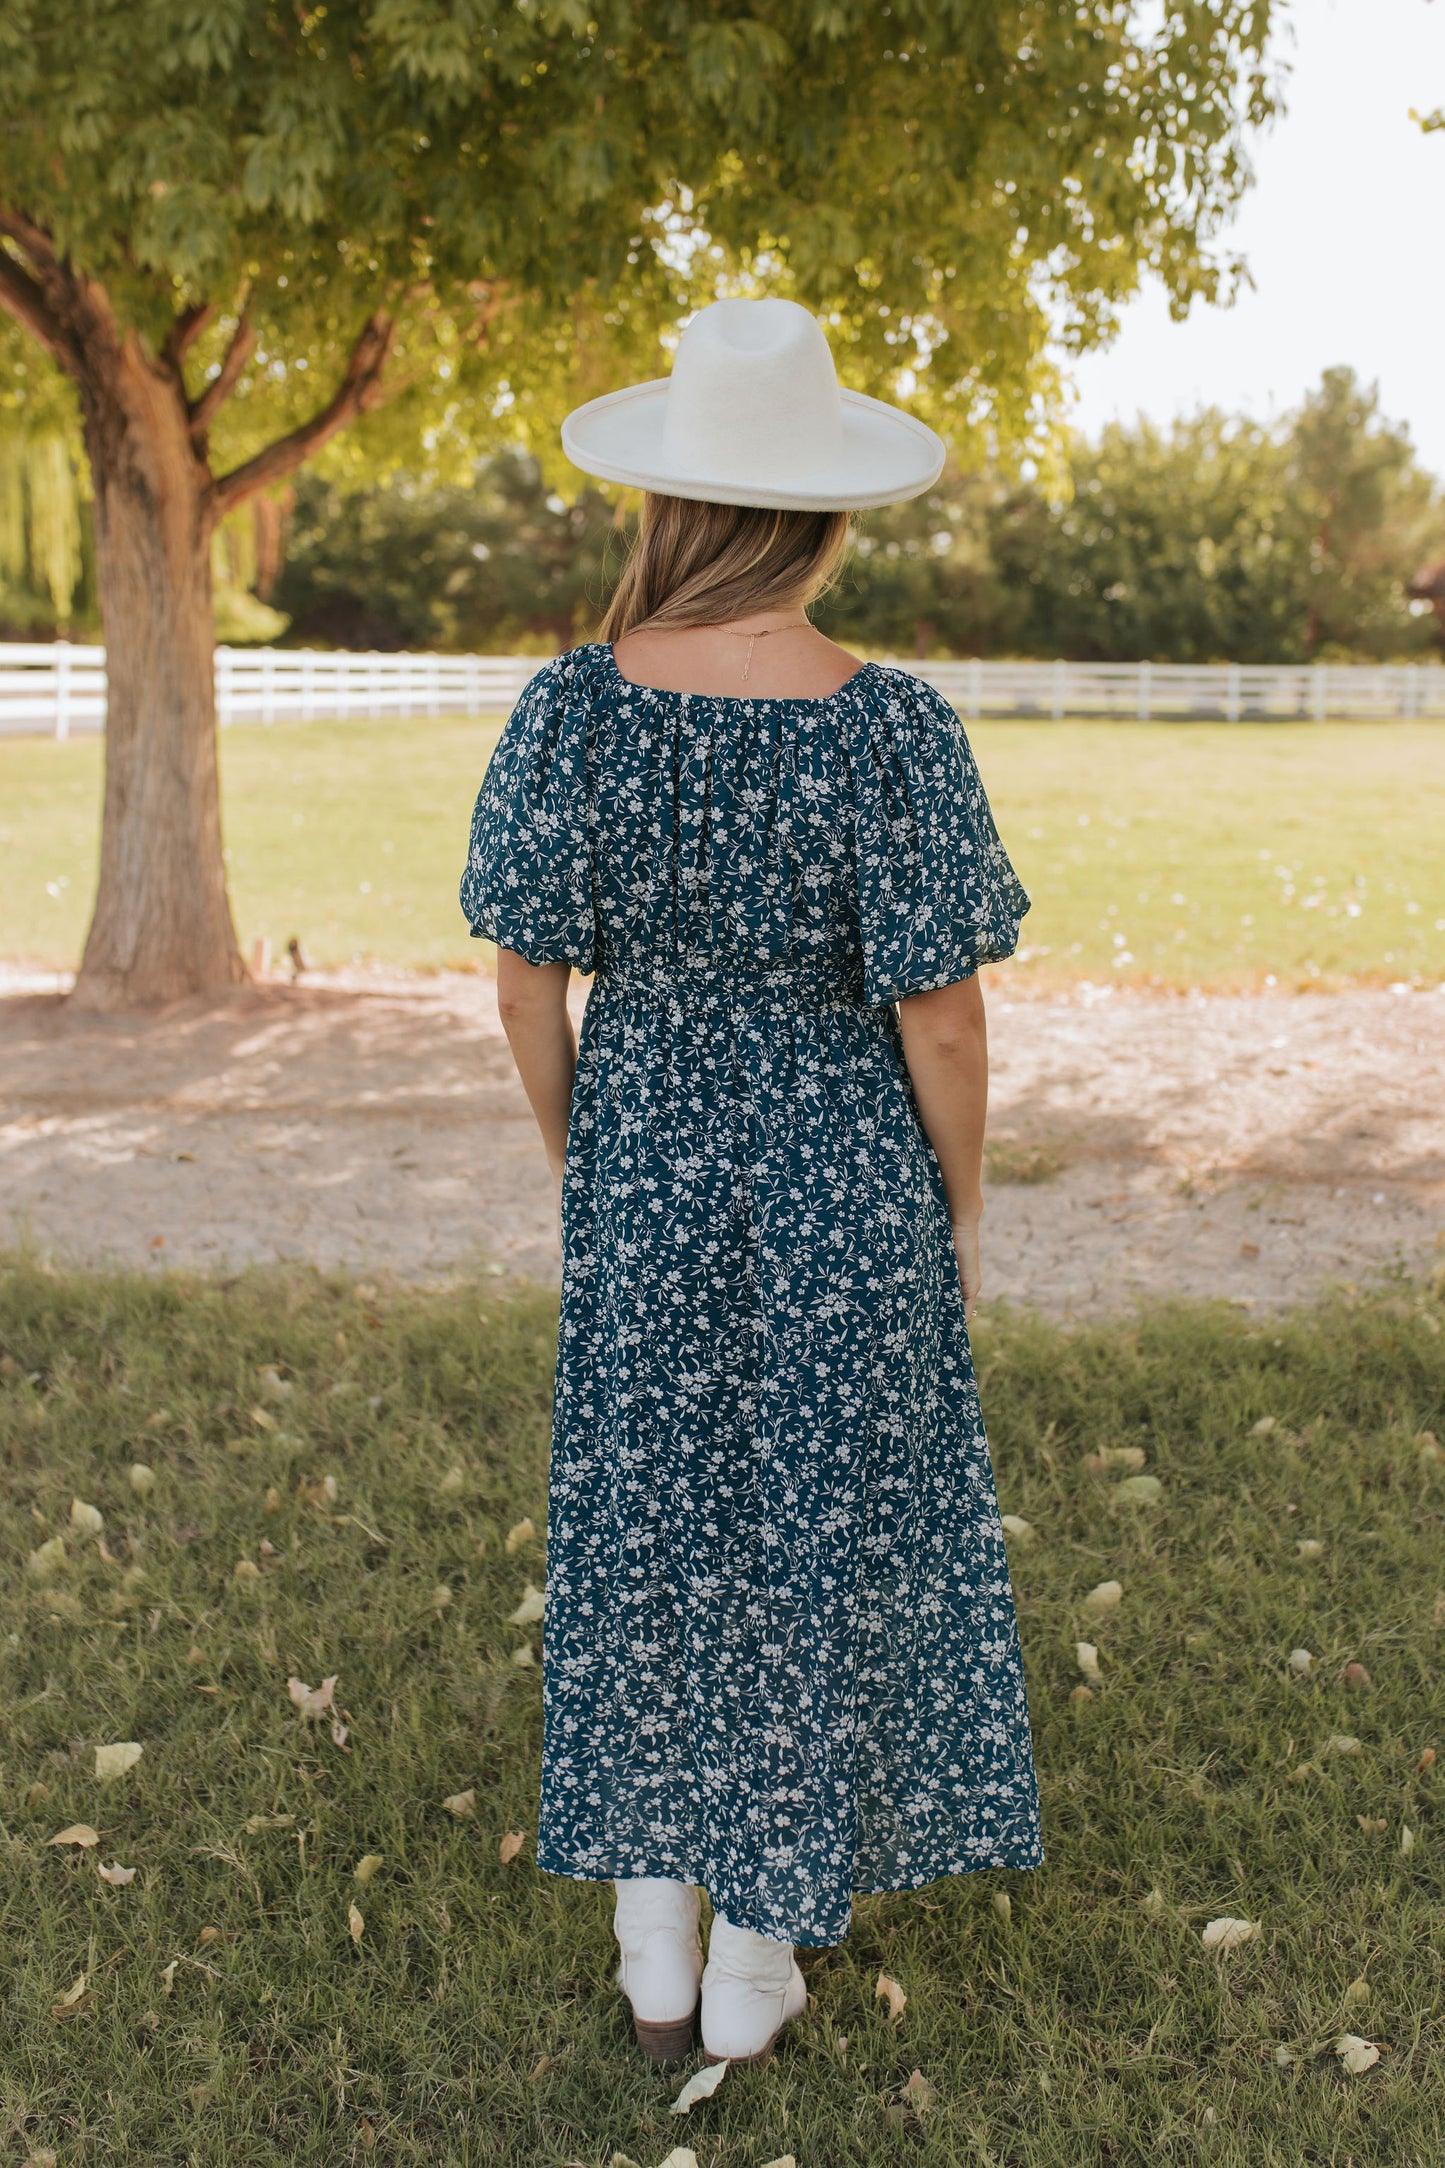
<point x="1344" y="232"/>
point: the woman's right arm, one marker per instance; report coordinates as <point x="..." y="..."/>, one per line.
<point x="945" y="1042"/>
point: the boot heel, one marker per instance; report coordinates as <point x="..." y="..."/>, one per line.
<point x="668" y="2042"/>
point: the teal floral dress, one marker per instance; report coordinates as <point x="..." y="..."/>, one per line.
<point x="780" y="1655"/>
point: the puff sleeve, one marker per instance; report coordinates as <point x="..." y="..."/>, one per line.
<point x="528" y="880"/>
<point x="937" y="895"/>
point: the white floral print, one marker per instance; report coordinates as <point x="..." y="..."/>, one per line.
<point x="781" y="1655"/>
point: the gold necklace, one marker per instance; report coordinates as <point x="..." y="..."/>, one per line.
<point x="766" y="634"/>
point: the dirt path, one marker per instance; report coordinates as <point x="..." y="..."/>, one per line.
<point x="1252" y="1148"/>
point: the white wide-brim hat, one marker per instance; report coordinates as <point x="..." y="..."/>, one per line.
<point x="752" y="414"/>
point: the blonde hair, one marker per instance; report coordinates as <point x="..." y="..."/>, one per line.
<point x="702" y="564"/>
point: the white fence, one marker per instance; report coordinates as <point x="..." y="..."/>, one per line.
<point x="53" y="689"/>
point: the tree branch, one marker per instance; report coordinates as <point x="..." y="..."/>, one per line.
<point x="33" y="300"/>
<point x="208" y="401"/>
<point x="358" y="391"/>
<point x="185" y="331"/>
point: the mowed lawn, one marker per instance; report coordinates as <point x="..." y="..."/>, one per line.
<point x="1183" y="855"/>
<point x="310" y="1944"/>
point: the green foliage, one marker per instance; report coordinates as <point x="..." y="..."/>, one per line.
<point x="44" y="530"/>
<point x="501" y="564"/>
<point x="537" y="191"/>
<point x="228" y="2015"/>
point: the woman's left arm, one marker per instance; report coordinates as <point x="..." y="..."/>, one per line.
<point x="532" y="1003"/>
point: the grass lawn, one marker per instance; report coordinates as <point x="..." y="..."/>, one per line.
<point x="247" y="1999"/>
<point x="1176" y="855"/>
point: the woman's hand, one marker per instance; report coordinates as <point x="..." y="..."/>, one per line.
<point x="965" y="1249"/>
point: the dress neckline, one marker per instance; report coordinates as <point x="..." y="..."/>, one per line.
<point x="738" y="700"/>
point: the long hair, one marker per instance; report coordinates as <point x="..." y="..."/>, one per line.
<point x="702" y="564"/>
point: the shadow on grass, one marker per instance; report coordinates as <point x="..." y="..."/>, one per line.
<point x="230" y="2009"/>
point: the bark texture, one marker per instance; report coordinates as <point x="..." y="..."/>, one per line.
<point x="162" y="927"/>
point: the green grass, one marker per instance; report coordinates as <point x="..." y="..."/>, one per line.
<point x="1185" y="855"/>
<point x="228" y="2018"/>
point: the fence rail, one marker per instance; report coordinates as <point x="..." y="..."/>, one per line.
<point x="55" y="690"/>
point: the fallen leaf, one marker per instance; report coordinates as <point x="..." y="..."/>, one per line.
<point x="114" y="1761"/>
<point x="1109" y="1457"/>
<point x="78" y="1833"/>
<point x="1284" y="2056"/>
<point x="168" y="1975"/>
<point x="462" y="1804"/>
<point x="1264" y="1426"/>
<point x="625" y="2160"/>
<point x="1152" y="1901"/>
<point x="86" y="1520"/>
<point x="1301" y="1662"/>
<point x="701" y="2086"/>
<point x="115" y="1874"/>
<point x="1356" y="2054"/>
<point x="919" y="2093"/>
<point x="1139" y="1490"/>
<point x="1356" y="1993"/>
<point x="313" y="1701"/>
<point x="37" y="1795"/>
<point x="1310" y="1547"/>
<point x="263" y="1419"/>
<point x="1081" y="1693"/>
<point x="73" y="1993"/>
<point x="274" y="1384"/>
<point x="1014" y="1524"/>
<point x="1087" y="1657"/>
<point x="255" y="1823"/>
<point x="1301" y="1770"/>
<point x="1356" y="1675"/>
<point x="272" y="1499"/>
<point x="1341" y="1742"/>
<point x="785" y="2160"/>
<point x="510" y="1846"/>
<point x="453" y="1481"/>
<point x="1249" y="1249"/>
<point x="1372" y="1824"/>
<point x="1407" y="1840"/>
<point x="530" y="1609"/>
<point x="339" y="1732"/>
<point x="367" y="1867"/>
<point x="42" y="2157"/>
<point x="322" y="1493"/>
<point x="208" y="1935"/>
<point x="524" y="1656"/>
<point x="245" y="1569"/>
<point x="441" y="1597"/>
<point x="1104" y="1599"/>
<point x="888" y="1990"/>
<point x="1426" y="1761"/>
<point x="47" y="1559"/>
<point x="1003" y="1905"/>
<point x="522" y="1532"/>
<point x="355" y="1922"/>
<point x="1228" y="1934"/>
<point x="681" y="2156"/>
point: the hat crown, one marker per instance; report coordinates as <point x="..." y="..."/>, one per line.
<point x="753" y="391"/>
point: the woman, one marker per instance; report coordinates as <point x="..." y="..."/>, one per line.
<point x="781" y="1657"/>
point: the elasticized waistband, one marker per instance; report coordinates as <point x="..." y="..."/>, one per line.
<point x="732" y="982"/>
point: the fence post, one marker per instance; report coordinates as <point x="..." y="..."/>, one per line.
<point x="433" y="685"/>
<point x="308" y="686"/>
<point x="1410" y="704"/>
<point x="1231" y="694"/>
<point x="268" y="685"/>
<point x="1319" y="691"/>
<point x="1059" y="689"/>
<point x="62" y="691"/>
<point x="1146" y="688"/>
<point x="975" y="689"/>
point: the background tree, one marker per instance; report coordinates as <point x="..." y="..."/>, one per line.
<point x="236" y="228"/>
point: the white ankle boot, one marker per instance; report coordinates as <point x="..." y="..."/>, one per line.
<point x="751" y="1988"/>
<point x="656" y="1927"/>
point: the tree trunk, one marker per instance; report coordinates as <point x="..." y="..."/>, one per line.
<point x="162" y="926"/>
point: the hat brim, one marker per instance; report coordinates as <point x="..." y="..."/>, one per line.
<point x="885" y="456"/>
